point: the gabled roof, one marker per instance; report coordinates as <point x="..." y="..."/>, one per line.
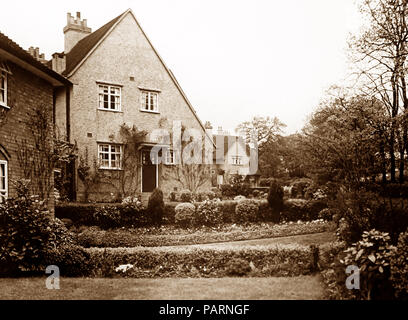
<point x="225" y="143"/>
<point x="18" y="55"/>
<point x="84" y="46"/>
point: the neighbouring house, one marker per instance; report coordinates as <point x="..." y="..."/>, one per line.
<point x="119" y="79"/>
<point x="27" y="101"/>
<point x="232" y="157"/>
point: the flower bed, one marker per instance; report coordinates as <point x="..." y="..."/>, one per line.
<point x="170" y="235"/>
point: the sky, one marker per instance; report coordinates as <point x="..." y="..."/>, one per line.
<point x="234" y="59"/>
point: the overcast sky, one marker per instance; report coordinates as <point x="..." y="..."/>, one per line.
<point x="234" y="59"/>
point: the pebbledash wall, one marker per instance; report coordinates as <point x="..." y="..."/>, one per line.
<point x="124" y="58"/>
<point x="25" y="93"/>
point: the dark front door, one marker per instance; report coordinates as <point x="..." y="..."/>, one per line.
<point x="149" y="172"/>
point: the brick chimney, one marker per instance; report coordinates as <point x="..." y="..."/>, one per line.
<point x="35" y="52"/>
<point x="75" y="30"/>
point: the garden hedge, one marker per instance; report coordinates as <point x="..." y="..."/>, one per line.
<point x="265" y="261"/>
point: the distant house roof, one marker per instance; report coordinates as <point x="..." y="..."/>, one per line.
<point x="84" y="46"/>
<point x="226" y="145"/>
<point x="13" y="52"/>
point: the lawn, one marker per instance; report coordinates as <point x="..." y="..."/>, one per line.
<point x="281" y="288"/>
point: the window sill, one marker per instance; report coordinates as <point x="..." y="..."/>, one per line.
<point x="107" y="110"/>
<point x="4" y="106"/>
<point x="149" y="111"/>
<point x="110" y="169"/>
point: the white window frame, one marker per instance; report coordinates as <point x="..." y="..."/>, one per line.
<point x="170" y="157"/>
<point x="236" y="160"/>
<point x="101" y="95"/>
<point x="4" y="192"/>
<point x="148" y="107"/>
<point x="110" y="153"/>
<point x="3" y="75"/>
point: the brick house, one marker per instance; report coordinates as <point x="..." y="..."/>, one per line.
<point x="119" y="78"/>
<point x="232" y="157"/>
<point x="27" y="87"/>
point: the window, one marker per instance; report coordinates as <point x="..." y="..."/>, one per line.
<point x="109" y="98"/>
<point x="149" y="101"/>
<point x="237" y="160"/>
<point x="3" y="180"/>
<point x="170" y="157"/>
<point x="3" y="87"/>
<point x="110" y="156"/>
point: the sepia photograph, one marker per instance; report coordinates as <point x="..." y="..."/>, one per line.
<point x="204" y="155"/>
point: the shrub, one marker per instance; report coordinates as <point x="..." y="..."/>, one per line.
<point x="399" y="267"/>
<point x="212" y="195"/>
<point x="227" y="190"/>
<point x="285" y="260"/>
<point x="239" y="198"/>
<point x="78" y="213"/>
<point x="265" y="212"/>
<point x="217" y="192"/>
<point x="107" y="217"/>
<point x="133" y="213"/>
<point x="246" y="211"/>
<point x="237" y="267"/>
<point x="227" y="208"/>
<point x="373" y="256"/>
<point x="155" y="207"/>
<point x="186" y="196"/>
<point x="208" y="213"/>
<point x="173" y="196"/>
<point x="275" y="198"/>
<point x="169" y="212"/>
<point x="256" y="193"/>
<point x="300" y="209"/>
<point x="326" y="214"/>
<point x="27" y="231"/>
<point x="363" y="211"/>
<point x="73" y="260"/>
<point x="184" y="216"/>
<point x="299" y="187"/>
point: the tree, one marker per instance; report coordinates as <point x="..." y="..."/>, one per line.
<point x="193" y="174"/>
<point x="343" y="141"/>
<point x="380" y="55"/>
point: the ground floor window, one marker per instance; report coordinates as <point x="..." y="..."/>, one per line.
<point x="110" y="156"/>
<point x="3" y="180"/>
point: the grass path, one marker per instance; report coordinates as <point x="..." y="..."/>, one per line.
<point x="275" y="288"/>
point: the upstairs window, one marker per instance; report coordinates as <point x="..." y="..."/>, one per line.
<point x="110" y="156"/>
<point x="3" y="181"/>
<point x="3" y="87"/>
<point x="149" y="101"/>
<point x="236" y="160"/>
<point x="110" y="98"/>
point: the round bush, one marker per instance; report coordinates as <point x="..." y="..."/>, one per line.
<point x="239" y="198"/>
<point x="186" y="195"/>
<point x="208" y="213"/>
<point x="246" y="211"/>
<point x="326" y="214"/>
<point x="184" y="216"/>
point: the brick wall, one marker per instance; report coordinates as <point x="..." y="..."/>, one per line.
<point x="26" y="92"/>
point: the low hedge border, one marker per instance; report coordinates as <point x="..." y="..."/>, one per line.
<point x="262" y="261"/>
<point x="94" y="237"/>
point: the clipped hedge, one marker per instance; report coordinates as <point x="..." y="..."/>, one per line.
<point x="285" y="261"/>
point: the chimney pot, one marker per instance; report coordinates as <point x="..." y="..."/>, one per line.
<point x="79" y="15"/>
